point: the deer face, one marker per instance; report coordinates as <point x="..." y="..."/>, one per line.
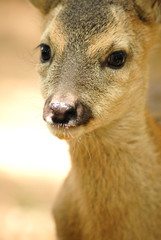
<point x="93" y="63"/>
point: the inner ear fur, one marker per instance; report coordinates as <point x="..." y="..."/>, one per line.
<point x="44" y="5"/>
<point x="149" y="9"/>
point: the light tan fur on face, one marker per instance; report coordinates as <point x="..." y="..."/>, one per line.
<point x="102" y="43"/>
<point x="115" y="37"/>
<point x="59" y="39"/>
<point x="54" y="32"/>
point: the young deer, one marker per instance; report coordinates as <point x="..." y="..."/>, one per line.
<point x="94" y="64"/>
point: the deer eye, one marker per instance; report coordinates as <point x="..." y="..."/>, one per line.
<point x="116" y="60"/>
<point x="45" y="53"/>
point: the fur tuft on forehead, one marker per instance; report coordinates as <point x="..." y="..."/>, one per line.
<point x="85" y="16"/>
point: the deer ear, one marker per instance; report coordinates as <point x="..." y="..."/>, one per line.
<point x="149" y="9"/>
<point x="44" y="5"/>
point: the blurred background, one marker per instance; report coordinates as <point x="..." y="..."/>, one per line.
<point x="33" y="163"/>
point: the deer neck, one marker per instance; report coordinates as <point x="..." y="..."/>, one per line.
<point x="113" y="156"/>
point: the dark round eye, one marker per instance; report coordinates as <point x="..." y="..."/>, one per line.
<point x="45" y="53"/>
<point x="116" y="60"/>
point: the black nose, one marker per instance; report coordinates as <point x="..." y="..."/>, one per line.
<point x="69" y="113"/>
<point x="63" y="112"/>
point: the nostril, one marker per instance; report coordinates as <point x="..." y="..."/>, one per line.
<point x="62" y="112"/>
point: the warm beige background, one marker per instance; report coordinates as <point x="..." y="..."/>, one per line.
<point x="32" y="162"/>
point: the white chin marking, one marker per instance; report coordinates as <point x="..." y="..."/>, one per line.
<point x="49" y="120"/>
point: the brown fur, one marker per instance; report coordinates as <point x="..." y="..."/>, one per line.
<point x="113" y="190"/>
